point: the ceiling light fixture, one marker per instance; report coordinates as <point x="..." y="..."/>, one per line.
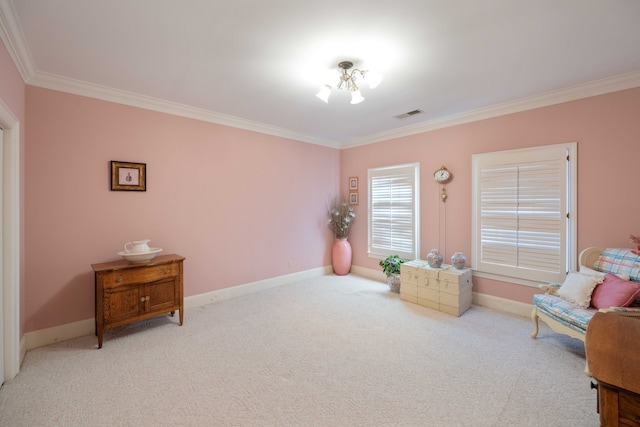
<point x="348" y="81"/>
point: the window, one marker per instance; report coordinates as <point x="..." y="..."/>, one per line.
<point x="524" y="214"/>
<point x="394" y="213"/>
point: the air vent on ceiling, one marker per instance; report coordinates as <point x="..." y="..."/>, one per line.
<point x="409" y="114"/>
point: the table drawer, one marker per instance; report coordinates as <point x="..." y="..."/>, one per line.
<point x="142" y="275"/>
<point x="455" y="300"/>
<point x="456" y="276"/>
<point x="428" y="294"/>
<point x="454" y="311"/>
<point x="409" y="298"/>
<point x="409" y="276"/>
<point x="429" y="304"/>
<point x="428" y="282"/>
<point x="455" y="288"/>
<point x="408" y="289"/>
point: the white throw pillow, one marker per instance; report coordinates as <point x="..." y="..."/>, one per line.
<point x="577" y="288"/>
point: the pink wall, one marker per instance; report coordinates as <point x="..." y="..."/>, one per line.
<point x="607" y="130"/>
<point x="13" y="96"/>
<point x="12" y="88"/>
<point x="238" y="205"/>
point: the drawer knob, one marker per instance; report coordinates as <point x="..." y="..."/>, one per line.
<point x="142" y="299"/>
<point x="119" y="278"/>
<point x="147" y="298"/>
<point x="166" y="271"/>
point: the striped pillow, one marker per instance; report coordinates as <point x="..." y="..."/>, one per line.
<point x="619" y="261"/>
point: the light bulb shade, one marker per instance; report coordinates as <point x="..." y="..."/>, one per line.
<point x="356" y="98"/>
<point x="324" y="93"/>
<point x="373" y="78"/>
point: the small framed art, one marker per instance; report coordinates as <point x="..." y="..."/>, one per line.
<point x="353" y="183"/>
<point x="127" y="176"/>
<point x="353" y="197"/>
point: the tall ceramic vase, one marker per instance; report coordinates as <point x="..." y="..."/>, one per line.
<point x="341" y="256"/>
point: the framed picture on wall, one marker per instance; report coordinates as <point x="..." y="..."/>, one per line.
<point x="353" y="183"/>
<point x="127" y="176"/>
<point x="353" y="197"/>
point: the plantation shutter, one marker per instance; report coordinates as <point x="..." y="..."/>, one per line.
<point x="521" y="213"/>
<point x="393" y="211"/>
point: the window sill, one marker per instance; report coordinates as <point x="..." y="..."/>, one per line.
<point x="507" y="279"/>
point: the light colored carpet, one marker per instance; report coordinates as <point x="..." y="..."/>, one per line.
<point x="331" y="351"/>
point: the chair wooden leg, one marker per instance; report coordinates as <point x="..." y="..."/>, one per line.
<point x="534" y="319"/>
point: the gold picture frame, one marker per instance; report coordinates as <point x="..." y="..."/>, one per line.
<point x="128" y="176"/>
<point x="353" y="183"/>
<point x="353" y="198"/>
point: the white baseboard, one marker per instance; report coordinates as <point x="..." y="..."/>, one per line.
<point x="503" y="304"/>
<point x="23" y="348"/>
<point x="249" y="288"/>
<point x="64" y="332"/>
<point x="489" y="301"/>
<point x="369" y="273"/>
<point x="47" y="336"/>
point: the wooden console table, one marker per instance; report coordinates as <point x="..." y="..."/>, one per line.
<point x="612" y="347"/>
<point x="127" y="292"/>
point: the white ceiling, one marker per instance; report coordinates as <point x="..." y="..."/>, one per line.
<point x="257" y="64"/>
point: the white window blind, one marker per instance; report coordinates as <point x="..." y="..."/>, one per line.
<point x="521" y="213"/>
<point x="394" y="211"/>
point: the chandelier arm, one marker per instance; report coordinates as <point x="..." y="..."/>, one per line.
<point x="351" y="84"/>
<point x="347" y="81"/>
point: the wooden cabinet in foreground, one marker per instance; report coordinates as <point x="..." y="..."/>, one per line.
<point x="612" y="346"/>
<point x="127" y="292"/>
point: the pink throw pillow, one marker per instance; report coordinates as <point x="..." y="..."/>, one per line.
<point x="614" y="292"/>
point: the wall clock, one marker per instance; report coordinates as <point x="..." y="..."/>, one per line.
<point x="442" y="175"/>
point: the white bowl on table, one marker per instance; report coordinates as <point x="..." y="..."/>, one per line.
<point x="140" y="256"/>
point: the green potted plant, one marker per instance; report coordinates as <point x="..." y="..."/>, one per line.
<point x="391" y="267"/>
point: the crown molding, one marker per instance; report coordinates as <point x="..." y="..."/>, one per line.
<point x="77" y="87"/>
<point x="571" y="93"/>
<point x="11" y="35"/>
<point x="13" y="38"/>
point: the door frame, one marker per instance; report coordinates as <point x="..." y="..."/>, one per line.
<point x="10" y="286"/>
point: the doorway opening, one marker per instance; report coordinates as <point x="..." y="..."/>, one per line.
<point x="9" y="245"/>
